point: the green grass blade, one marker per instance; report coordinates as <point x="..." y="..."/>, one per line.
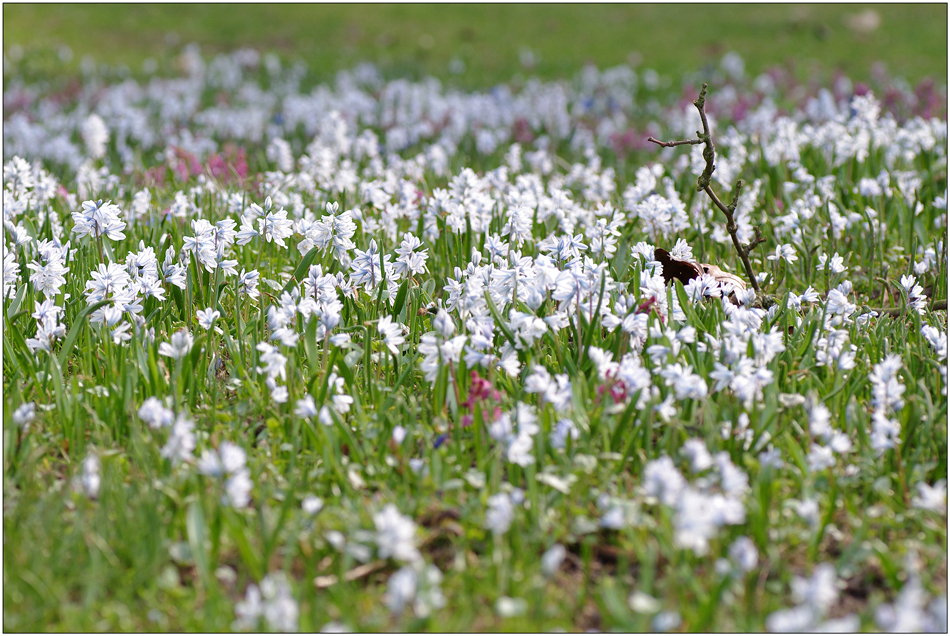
<point x="76" y="328"/>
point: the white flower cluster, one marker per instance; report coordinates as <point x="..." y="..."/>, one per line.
<point x="181" y="441"/>
<point x="821" y="457"/>
<point x="230" y="462"/>
<point x="886" y="392"/>
<point x="273" y="601"/>
<point x="713" y="501"/>
<point x="815" y="596"/>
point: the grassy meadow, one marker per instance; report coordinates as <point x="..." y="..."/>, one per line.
<point x="366" y="318"/>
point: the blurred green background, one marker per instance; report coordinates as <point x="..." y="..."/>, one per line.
<point x="491" y="39"/>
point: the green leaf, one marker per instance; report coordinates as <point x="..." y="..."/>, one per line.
<point x="684" y="301"/>
<point x="499" y="320"/>
<point x="310" y="345"/>
<point x="15" y="303"/>
<point x="179" y="299"/>
<point x="14" y="362"/>
<point x="401" y="298"/>
<point x="324" y="376"/>
<point x="594" y="318"/>
<point x="63" y="397"/>
<point x="302" y="269"/>
<point x="614" y="603"/>
<point x="237" y="531"/>
<point x="76" y="328"/>
<point x="197" y="533"/>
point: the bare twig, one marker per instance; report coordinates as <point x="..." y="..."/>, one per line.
<point x="703" y="183"/>
<point x="358" y="572"/>
<point x="670" y="144"/>
<point x="939" y="305"/>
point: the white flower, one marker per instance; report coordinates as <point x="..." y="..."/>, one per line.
<point x="249" y="610"/>
<point x="443" y="324"/>
<point x="507" y="607"/>
<point x="368" y="269"/>
<point x="97" y="219"/>
<point x="278" y="393"/>
<point x="552" y="558"/>
<point x="662" y="480"/>
<point x="24" y="414"/>
<point x="696" y="450"/>
<point x="181" y="343"/>
<point x="312" y="504"/>
<point x="278" y="151"/>
<point x="500" y="513"/>
<point x="237" y="489"/>
<point x="796" y="619"/>
<point x="666" y="621"/>
<point x="181" y="441"/>
<point x="835" y="265"/>
<point x="90" y="479"/>
<point x="399" y="433"/>
<point x="744" y="554"/>
<point x="562" y="430"/>
<point x="275" y="363"/>
<point x="306" y="408"/>
<point x="395" y="535"/>
<point x="703" y="286"/>
<point x="210" y="464"/>
<point x="519" y="450"/>
<point x="784" y="251"/>
<point x="820" y="457"/>
<point x="400" y="589"/>
<point x="771" y="457"/>
<point x="280" y="610"/>
<point x="275" y="226"/>
<point x="248" y="281"/>
<point x="391" y="333"/>
<point x="408" y="261"/>
<point x="933" y="498"/>
<point x="206" y="317"/>
<point x="910" y="611"/>
<point x="915" y="293"/>
<point x="807" y="509"/>
<point x="416" y="583"/>
<point x="820" y="591"/>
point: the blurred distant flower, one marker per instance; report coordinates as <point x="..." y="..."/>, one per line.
<point x="395" y="535"/>
<point x="24" y="414"/>
<point x="95" y="135"/>
<point x="273" y="601"/>
<point x="181" y="440"/>
<point x="500" y="513"/>
<point x="551" y="560"/>
<point x="154" y="413"/>
<point x="312" y="504"/>
<point x="933" y="498"/>
<point x="89" y="479"/>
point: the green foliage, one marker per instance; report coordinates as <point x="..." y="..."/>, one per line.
<point x="488" y="39"/>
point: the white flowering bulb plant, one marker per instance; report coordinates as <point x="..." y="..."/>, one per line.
<point x="388" y="355"/>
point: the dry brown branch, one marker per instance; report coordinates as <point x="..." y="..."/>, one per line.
<point x="938" y="305"/>
<point x="703" y="183"/>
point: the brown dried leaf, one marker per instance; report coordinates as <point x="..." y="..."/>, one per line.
<point x="683" y="271"/>
<point x="722" y="276"/>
